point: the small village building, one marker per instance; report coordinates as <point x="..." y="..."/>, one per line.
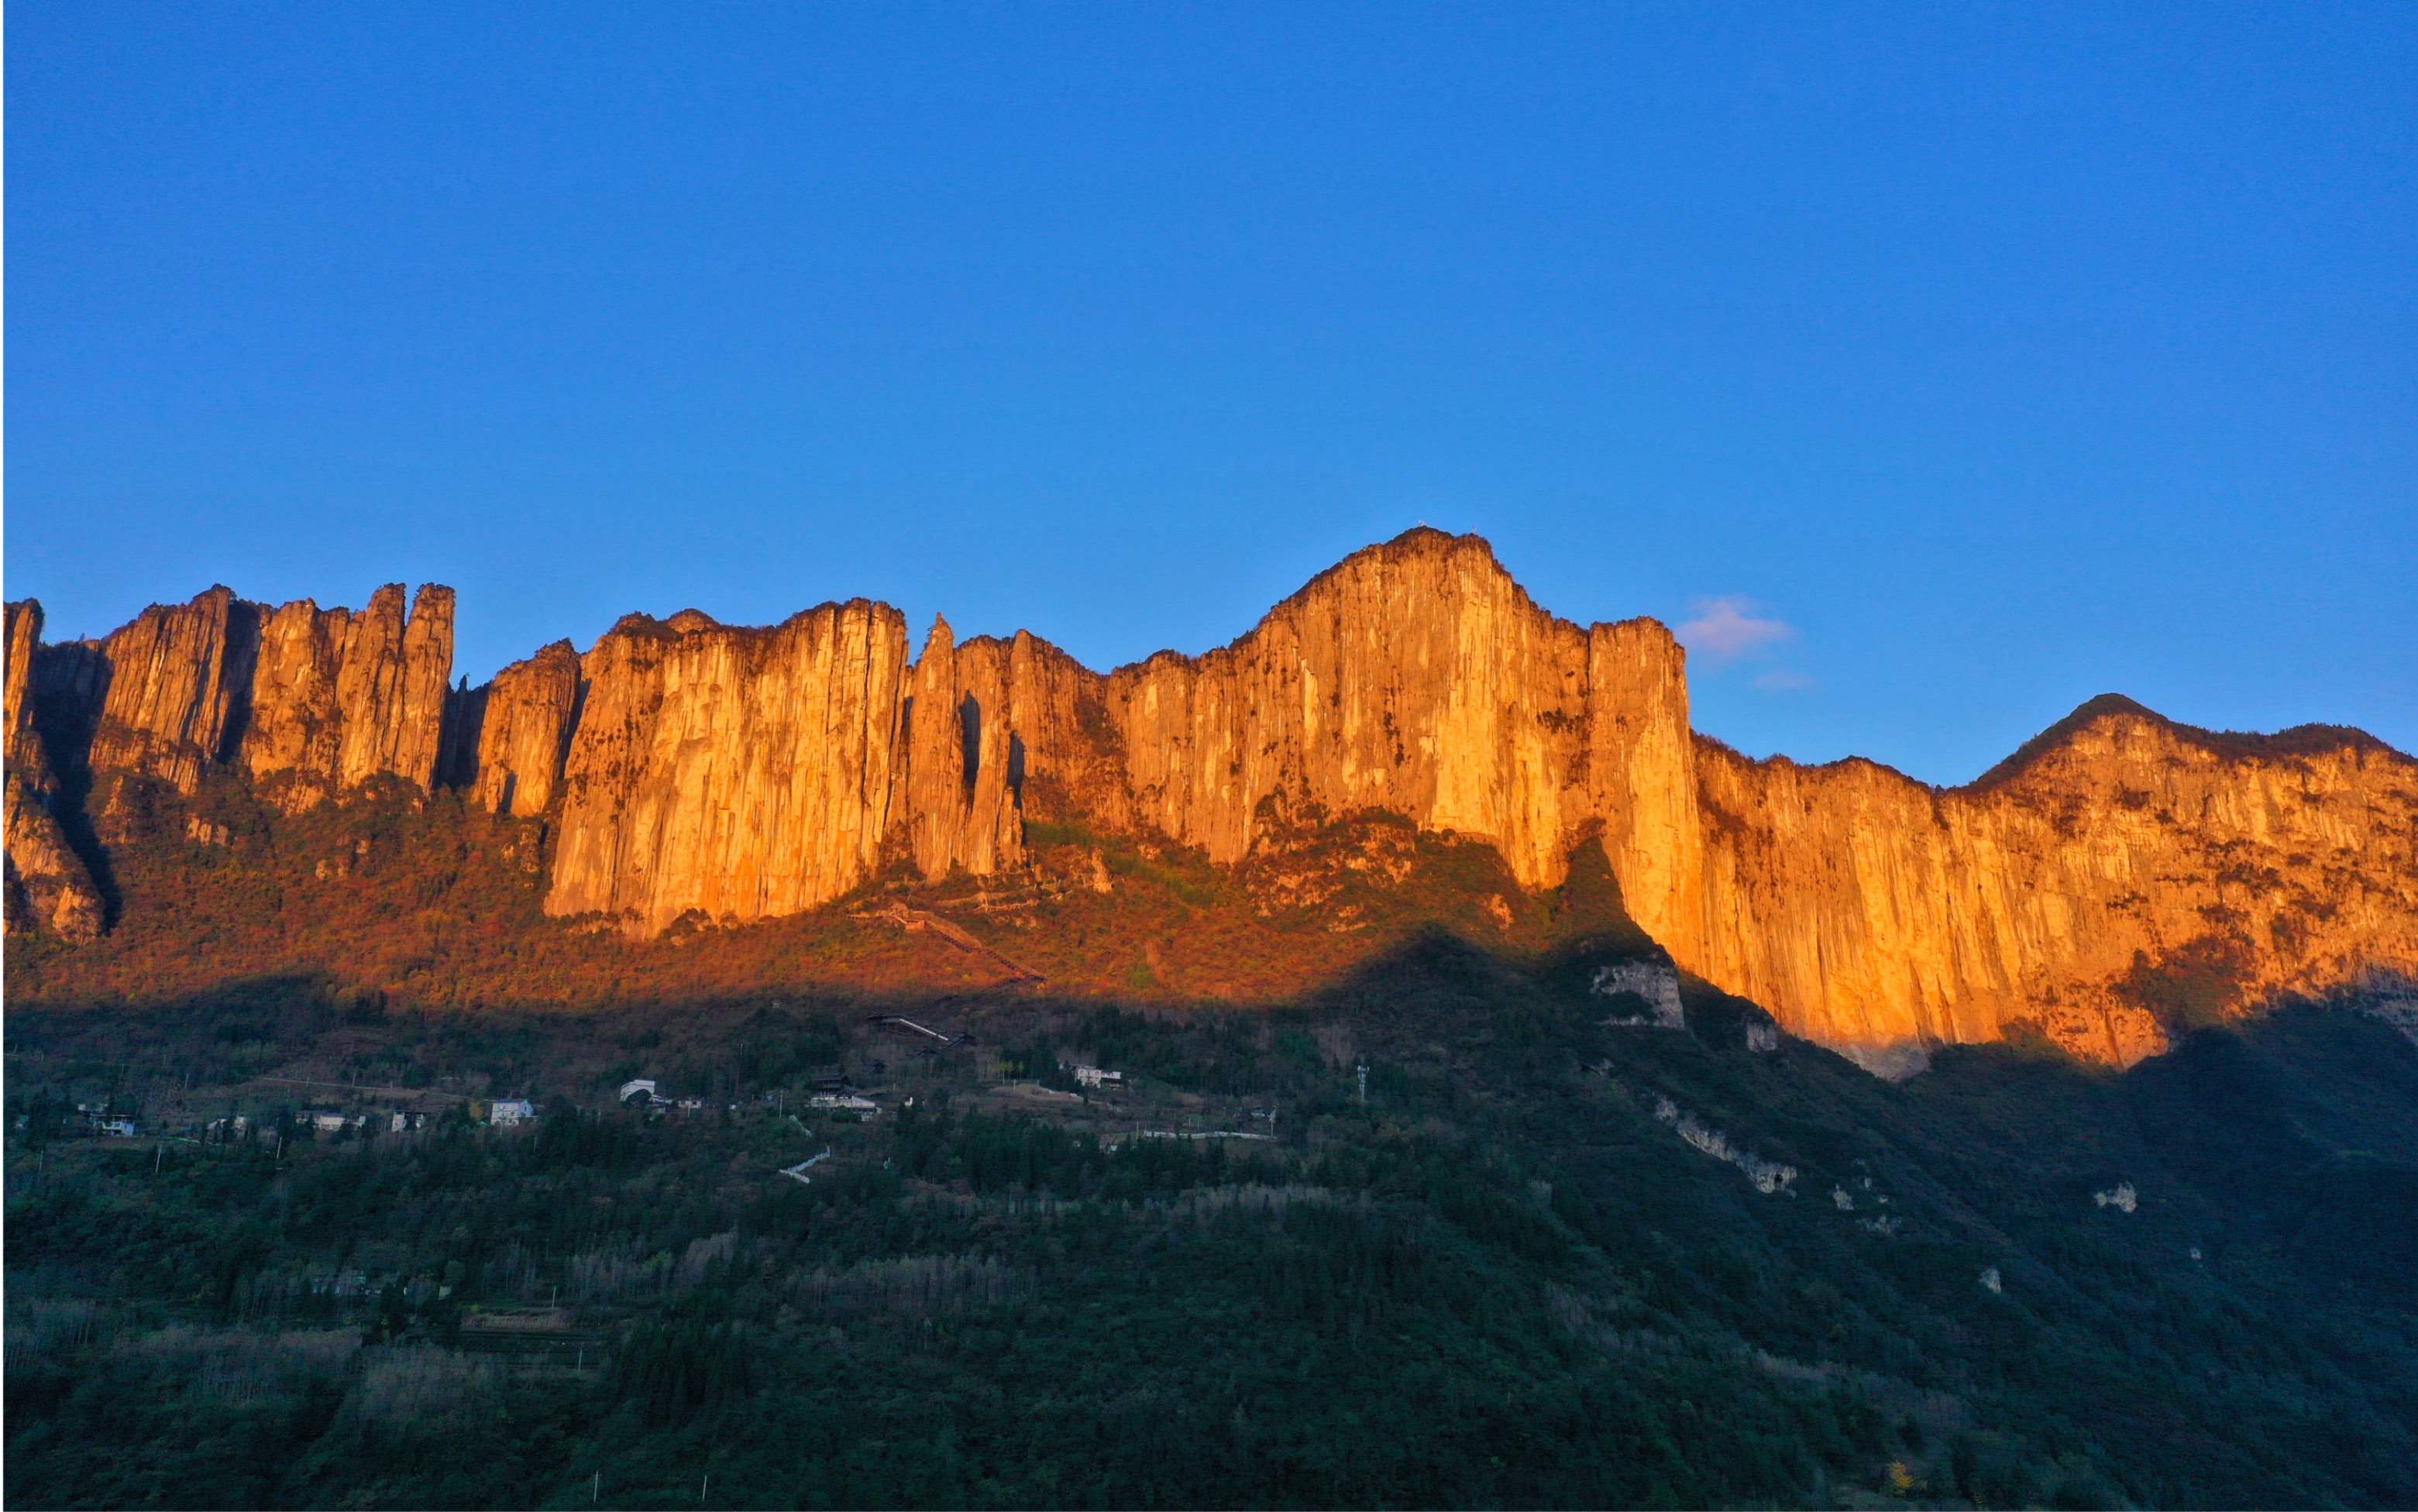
<point x="639" y="1090"/>
<point x="1094" y="1076"/>
<point x="508" y="1112"/>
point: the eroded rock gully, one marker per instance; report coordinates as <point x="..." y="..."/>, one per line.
<point x="693" y="768"/>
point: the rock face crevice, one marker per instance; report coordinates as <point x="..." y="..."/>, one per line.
<point x="689" y="768"/>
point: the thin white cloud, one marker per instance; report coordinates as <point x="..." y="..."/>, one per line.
<point x="1728" y="627"/>
<point x="1781" y="679"/>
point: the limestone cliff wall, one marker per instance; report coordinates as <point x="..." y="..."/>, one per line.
<point x="47" y="886"/>
<point x="1865" y="909"/>
<point x="172" y="677"/>
<point x="1639" y="780"/>
<point x="1416" y="677"/>
<point x="324" y="701"/>
<point x="738" y="773"/>
<point x="390" y="686"/>
<point x="524" y="722"/>
<point x="295" y="726"/>
<point x="337" y="696"/>
<point x="735" y="773"/>
<point x="1065" y="756"/>
<point x="742" y="774"/>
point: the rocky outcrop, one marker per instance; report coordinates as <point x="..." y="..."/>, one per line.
<point x="1867" y="910"/>
<point x="1864" y="910"/>
<point x="324" y="701"/>
<point x="47" y="886"/>
<point x="1638" y="778"/>
<point x="523" y="721"/>
<point x="170" y="683"/>
<point x="962" y="799"/>
<point x="390" y="687"/>
<point x="320" y="700"/>
<point x="1065" y="760"/>
<point x="731" y="772"/>
<point x="741" y="773"/>
<point x="295" y="730"/>
<point x="310" y="703"/>
<point x="338" y="698"/>
<point x="1416" y="678"/>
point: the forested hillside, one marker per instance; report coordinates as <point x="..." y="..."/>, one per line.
<point x="1525" y="1258"/>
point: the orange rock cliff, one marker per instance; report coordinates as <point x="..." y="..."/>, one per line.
<point x="690" y="768"/>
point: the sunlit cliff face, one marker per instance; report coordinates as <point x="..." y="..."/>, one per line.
<point x="2119" y="871"/>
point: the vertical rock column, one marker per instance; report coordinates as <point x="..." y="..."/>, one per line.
<point x="338" y="698"/>
<point x="961" y="810"/>
<point x="990" y="824"/>
<point x="392" y="686"/>
<point x="1073" y="763"/>
<point x="936" y="757"/>
<point x="47" y="884"/>
<point x="296" y="723"/>
<point x="525" y="732"/>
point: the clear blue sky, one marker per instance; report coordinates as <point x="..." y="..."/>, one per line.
<point x="1946" y="366"/>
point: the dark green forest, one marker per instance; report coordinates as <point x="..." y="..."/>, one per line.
<point x="1538" y="1261"/>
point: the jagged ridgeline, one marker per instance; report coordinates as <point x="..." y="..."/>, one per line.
<point x="2119" y="872"/>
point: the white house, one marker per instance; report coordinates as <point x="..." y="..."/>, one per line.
<point x="1094" y="1076"/>
<point x="506" y="1113"/>
<point x="641" y="1087"/>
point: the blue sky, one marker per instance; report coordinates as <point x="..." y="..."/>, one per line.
<point x="1942" y="367"/>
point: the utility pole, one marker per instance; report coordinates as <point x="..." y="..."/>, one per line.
<point x="596" y="1487"/>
